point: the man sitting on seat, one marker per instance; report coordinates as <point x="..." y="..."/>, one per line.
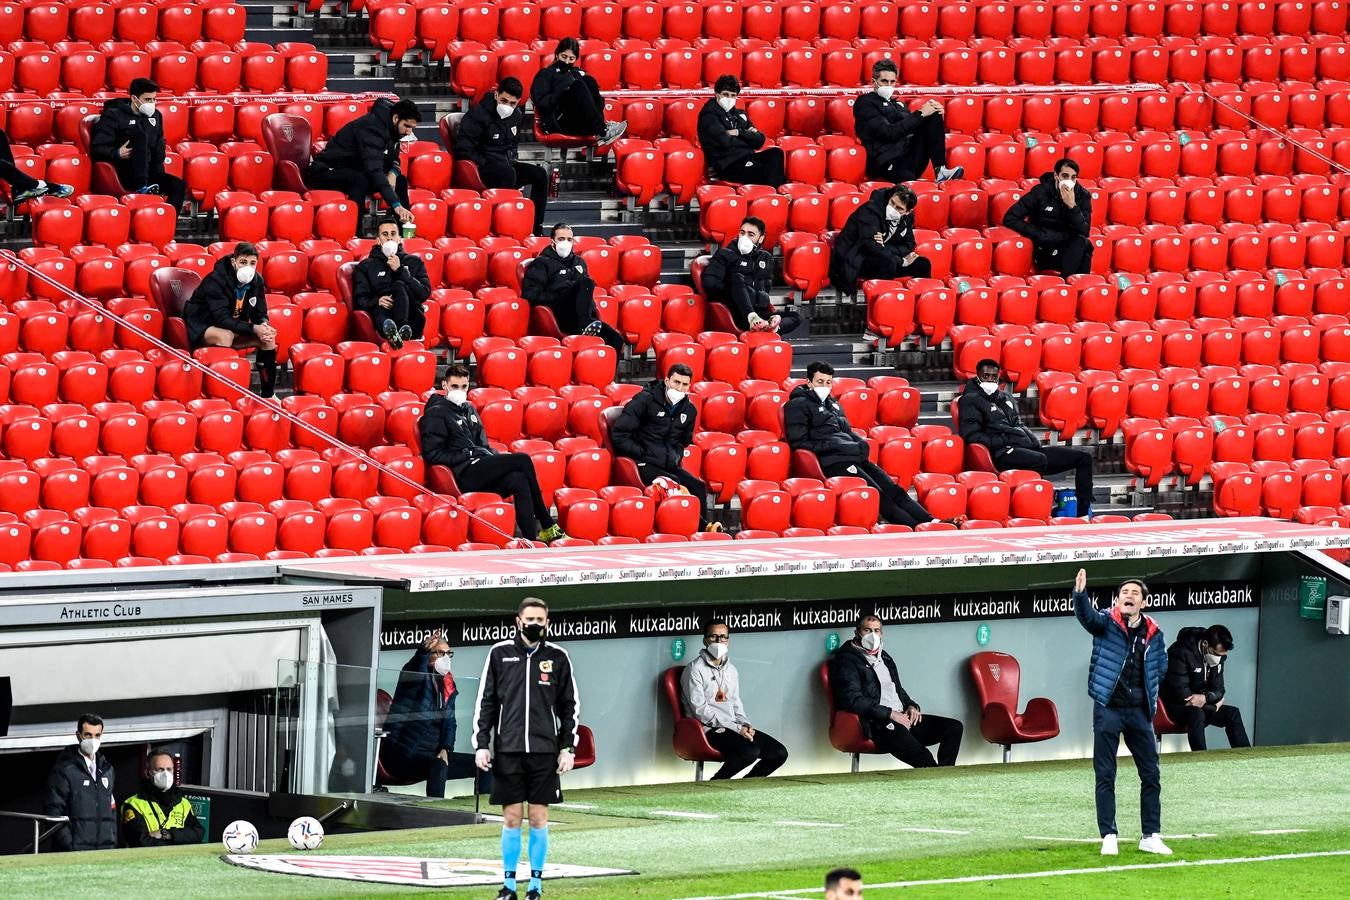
<point x="814" y="421"/>
<point x="22" y="186"/>
<point x="362" y="159"/>
<point x="1056" y="215"/>
<point x="878" y="241"/>
<point x="567" y="100"/>
<point x="453" y="436"/>
<point x="229" y="309"/>
<point x="489" y="137"/>
<point x="130" y="136"/>
<point x="900" y="144"/>
<point x="731" y="142"/>
<point x="559" y="279"/>
<point x="989" y="417"/>
<point x="391" y="285"/>
<point x="655" y="428"/>
<point x="1193" y="692"/>
<point x="740" y="275"/>
<point x="710" y="687"/>
<point x="866" y="682"/>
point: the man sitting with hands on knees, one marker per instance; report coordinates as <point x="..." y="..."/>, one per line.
<point x="900" y="144"/>
<point x="1056" y="215"/>
<point x="740" y="275"/>
<point x="559" y="279"/>
<point x="391" y="285"/>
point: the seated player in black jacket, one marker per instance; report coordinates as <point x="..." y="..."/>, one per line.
<point x="731" y="143"/>
<point x="362" y="159"/>
<point x="740" y="275"/>
<point x="391" y="285"/>
<point x="567" y="101"/>
<point x="229" y="309"/>
<point x="900" y="144"/>
<point x="559" y="279"/>
<point x="1056" y="215"/>
<point x="878" y="241"/>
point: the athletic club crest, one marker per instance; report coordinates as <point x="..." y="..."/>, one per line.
<point x="995" y="670"/>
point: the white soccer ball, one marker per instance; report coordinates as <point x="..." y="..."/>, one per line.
<point x="305" y="833"/>
<point x="240" y="837"/>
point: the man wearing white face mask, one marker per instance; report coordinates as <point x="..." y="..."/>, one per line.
<point x="229" y="309"/>
<point x="1056" y="215"/>
<point x="711" y="689"/>
<point x="900" y="144"/>
<point x="740" y="275"/>
<point x="731" y="143"/>
<point x="159" y="815"/>
<point x="129" y="135"/>
<point x="878" y="241"/>
<point x="391" y="285"/>
<point x="80" y="787"/>
<point x="489" y="137"/>
<point x="559" y="279"/>
<point x="1193" y="691"/>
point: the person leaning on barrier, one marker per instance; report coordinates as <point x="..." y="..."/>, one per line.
<point x="362" y="159"/>
<point x="1194" y="691"/>
<point x="877" y="241"/>
<point x="158" y="814"/>
<point x="900" y="144"/>
<point x="391" y="285"/>
<point x="489" y="137"/>
<point x="229" y="309"/>
<point x="129" y="134"/>
<point x="567" y="101"/>
<point x="731" y="143"/>
<point x="1056" y="215"/>
<point x="80" y="787"/>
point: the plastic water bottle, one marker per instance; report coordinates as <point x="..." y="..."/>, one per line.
<point x="554" y="184"/>
<point x="409" y="230"/>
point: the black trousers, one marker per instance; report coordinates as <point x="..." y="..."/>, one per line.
<point x="1134" y="722"/>
<point x="762" y="751"/>
<point x="575" y="311"/>
<point x="892" y="265"/>
<point x="926" y="145"/>
<point x="403" y="312"/>
<point x="1197" y="718"/>
<point x="356" y="185"/>
<point x="139" y="170"/>
<point x="910" y="745"/>
<point x="18" y="180"/>
<point x="897" y="507"/>
<point x="1050" y="461"/>
<point x="499" y="173"/>
<point x="581" y="110"/>
<point x="765" y="167"/>
<point x="697" y="489"/>
<point x="437" y="773"/>
<point x="1072" y="257"/>
<point x="741" y="298"/>
<point x="512" y="475"/>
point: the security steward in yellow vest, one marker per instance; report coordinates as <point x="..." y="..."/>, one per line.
<point x="159" y="814"/>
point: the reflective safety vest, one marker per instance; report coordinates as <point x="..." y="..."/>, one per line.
<point x="153" y="813"/>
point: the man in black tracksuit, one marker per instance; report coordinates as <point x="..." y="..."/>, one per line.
<point x="1193" y="691"/>
<point x="452" y="435"/>
<point x="525" y="730"/>
<point x="559" y="279"/>
<point x="81" y="786"/>
<point x="731" y="143"/>
<point x="391" y="285"/>
<point x="229" y="309"/>
<point x="865" y="681"/>
<point x="878" y="241"/>
<point x="740" y="275"/>
<point x="567" y="101"/>
<point x="130" y="136"/>
<point x="362" y="159"/>
<point x="900" y="144"/>
<point x="489" y="137"/>
<point x="813" y="420"/>
<point x="1056" y="215"/>
<point x="655" y="428"/>
<point x="988" y="416"/>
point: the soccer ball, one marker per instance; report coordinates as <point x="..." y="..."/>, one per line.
<point x="305" y="833"/>
<point x="663" y="487"/>
<point x="240" y="837"/>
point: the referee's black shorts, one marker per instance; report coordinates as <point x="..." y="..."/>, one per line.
<point x="525" y="778"/>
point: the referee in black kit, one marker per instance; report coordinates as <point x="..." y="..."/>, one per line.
<point x="527" y="706"/>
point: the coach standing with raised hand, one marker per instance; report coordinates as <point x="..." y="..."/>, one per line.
<point x="1129" y="660"/>
<point x="527" y="708"/>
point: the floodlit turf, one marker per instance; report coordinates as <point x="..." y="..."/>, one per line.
<point x="777" y="837"/>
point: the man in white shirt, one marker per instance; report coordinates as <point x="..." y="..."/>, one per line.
<point x="711" y="690"/>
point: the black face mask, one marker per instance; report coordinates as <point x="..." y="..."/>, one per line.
<point x="533" y="632"/>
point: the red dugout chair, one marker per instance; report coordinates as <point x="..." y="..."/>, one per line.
<point x="997" y="679"/>
<point x="846" y="734"/>
<point x="691" y="742"/>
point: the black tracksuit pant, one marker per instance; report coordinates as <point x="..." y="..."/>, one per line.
<point x="1070" y="257"/>
<point x="763" y="752"/>
<point x="697" y="489"/>
<point x="358" y="186"/>
<point x="927" y="145"/>
<point x="741" y="298"/>
<point x="403" y="312"/>
<point x="581" y="110"/>
<point x="1050" y="461"/>
<point x="897" y="507"/>
<point x="512" y="475"/>
<point x="910" y="745"/>
<point x="502" y="173"/>
<point x="1197" y="718"/>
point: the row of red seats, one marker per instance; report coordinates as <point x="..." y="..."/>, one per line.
<point x="53" y="21"/>
<point x="1307" y="491"/>
<point x="1194" y="449"/>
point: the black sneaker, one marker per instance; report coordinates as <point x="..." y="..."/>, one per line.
<point x="149" y="189"/>
<point x="532" y="894"/>
<point x="391" y="334"/>
<point x="594" y="328"/>
<point x="506" y="894"/>
<point x="30" y="194"/>
<point x="406" y="333"/>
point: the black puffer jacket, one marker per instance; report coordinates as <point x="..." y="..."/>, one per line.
<point x="857" y="689"/>
<point x="452" y="435"/>
<point x="1187" y="672"/>
<point x="884" y="127"/>
<point x="483" y="134"/>
<point x="857" y="240"/>
<point x="550" y="279"/>
<point x="1043" y="216"/>
<point x="88" y="801"/>
<point x="724" y="152"/>
<point x="820" y="426"/>
<point x="369" y="144"/>
<point x="756" y="267"/>
<point x="374" y="279"/>
<point x="218" y="302"/>
<point x="992" y="421"/>
<point x="115" y="126"/>
<point x="652" y="431"/>
<point x="547" y="89"/>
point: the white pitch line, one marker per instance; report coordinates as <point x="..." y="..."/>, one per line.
<point x="1281" y="831"/>
<point x="573" y="806"/>
<point x="679" y="814"/>
<point x="935" y="831"/>
<point x="797" y="824"/>
<point x="1187" y="837"/>
<point x="1067" y="840"/>
<point x="1052" y="873"/>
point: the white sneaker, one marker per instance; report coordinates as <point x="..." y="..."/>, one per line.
<point x="950" y="173"/>
<point x="1109" y="846"/>
<point x="1152" y="843"/>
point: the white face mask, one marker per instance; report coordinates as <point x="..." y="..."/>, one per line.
<point x="674" y="396"/>
<point x="504" y="110"/>
<point x="563" y="249"/>
<point x="822" y="391"/>
<point x="408" y="138"/>
<point x="727" y="103"/>
<point x="871" y="642"/>
<point x="442" y="665"/>
<point x="744" y="245"/>
<point x="245" y="273"/>
<point x="457" y="397"/>
<point x="162" y="779"/>
<point x="89" y="746"/>
<point x="884" y="91"/>
<point x="1069" y="181"/>
<point x="1212" y="661"/>
<point x="717" y="651"/>
<point x="893" y="214"/>
<point x="147" y="109"/>
<point x="390" y="248"/>
<point x="989" y="387"/>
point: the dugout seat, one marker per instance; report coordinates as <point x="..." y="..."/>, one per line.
<point x="690" y="741"/>
<point x="1163" y="724"/>
<point x="997" y="679"/>
<point x="846" y="734"/>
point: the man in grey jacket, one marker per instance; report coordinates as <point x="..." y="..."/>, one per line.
<point x="711" y="690"/>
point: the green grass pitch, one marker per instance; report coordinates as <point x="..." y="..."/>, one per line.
<point x="776" y="837"/>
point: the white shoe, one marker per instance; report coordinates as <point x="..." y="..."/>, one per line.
<point x="950" y="173"/>
<point x="1152" y="843"/>
<point x="1109" y="846"/>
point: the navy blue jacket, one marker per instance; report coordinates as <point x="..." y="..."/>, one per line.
<point x="1109" y="646"/>
<point x="421" y="722"/>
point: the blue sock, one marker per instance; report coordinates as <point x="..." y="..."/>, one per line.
<point x="510" y="856"/>
<point x="538" y="852"/>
